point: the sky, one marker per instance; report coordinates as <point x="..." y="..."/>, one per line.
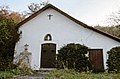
<point x="90" y="12"/>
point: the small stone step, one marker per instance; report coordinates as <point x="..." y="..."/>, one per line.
<point x="44" y="71"/>
<point x="40" y="74"/>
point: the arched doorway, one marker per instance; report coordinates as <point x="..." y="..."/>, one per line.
<point x="48" y="55"/>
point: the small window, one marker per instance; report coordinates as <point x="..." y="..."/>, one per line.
<point x="48" y="37"/>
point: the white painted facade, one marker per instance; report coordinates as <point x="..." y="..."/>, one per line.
<point x="63" y="31"/>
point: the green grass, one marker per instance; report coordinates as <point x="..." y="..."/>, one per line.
<point x="71" y="74"/>
<point x="15" y="72"/>
<point x="6" y="74"/>
<point x="10" y="73"/>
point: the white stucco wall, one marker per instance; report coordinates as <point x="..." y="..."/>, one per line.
<point x="63" y="31"/>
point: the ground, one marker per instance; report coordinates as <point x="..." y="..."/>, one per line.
<point x="71" y="74"/>
<point x="64" y="74"/>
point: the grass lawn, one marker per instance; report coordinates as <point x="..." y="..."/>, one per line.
<point x="70" y="74"/>
<point x="9" y="73"/>
<point x="6" y="74"/>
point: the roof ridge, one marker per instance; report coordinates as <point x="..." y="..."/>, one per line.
<point x="68" y="16"/>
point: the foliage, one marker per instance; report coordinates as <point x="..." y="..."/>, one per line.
<point x="72" y="56"/>
<point x="6" y="65"/>
<point x="6" y="75"/>
<point x="26" y="71"/>
<point x="114" y="25"/>
<point x="8" y="14"/>
<point x="8" y="70"/>
<point x="113" y="30"/>
<point x="34" y="7"/>
<point x="9" y="73"/>
<point x="71" y="74"/>
<point x="13" y="72"/>
<point x="114" y="19"/>
<point x="8" y="37"/>
<point x="23" y="66"/>
<point x="114" y="59"/>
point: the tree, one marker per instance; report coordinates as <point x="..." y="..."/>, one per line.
<point x="115" y="31"/>
<point x="114" y="25"/>
<point x="34" y="7"/>
<point x="8" y="14"/>
<point x="72" y="56"/>
<point x="8" y="32"/>
<point x="114" y="59"/>
<point x="114" y="19"/>
<point x="8" y="36"/>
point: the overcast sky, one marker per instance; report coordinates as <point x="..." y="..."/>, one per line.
<point x="91" y="12"/>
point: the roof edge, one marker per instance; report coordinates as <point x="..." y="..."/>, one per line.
<point x="68" y="16"/>
<point x="33" y="15"/>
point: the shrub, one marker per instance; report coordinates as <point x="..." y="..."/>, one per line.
<point x="113" y="61"/>
<point x="8" y="37"/>
<point x="6" y="64"/>
<point x="9" y="74"/>
<point x="72" y="56"/>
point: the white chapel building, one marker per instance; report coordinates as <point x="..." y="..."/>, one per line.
<point x="49" y="29"/>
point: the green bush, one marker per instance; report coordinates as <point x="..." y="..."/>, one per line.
<point x="6" y="64"/>
<point x="113" y="61"/>
<point x="72" y="56"/>
<point x="8" y="37"/>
